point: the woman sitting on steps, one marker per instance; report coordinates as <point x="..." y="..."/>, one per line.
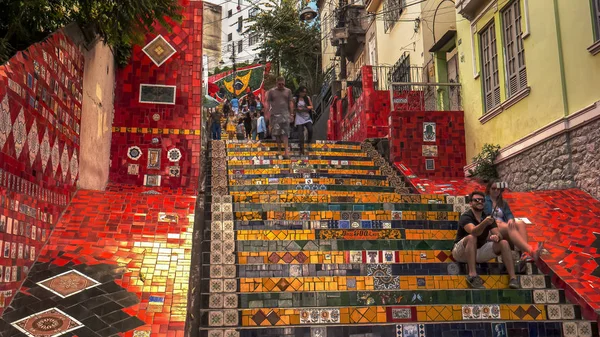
<point x="513" y="230"/>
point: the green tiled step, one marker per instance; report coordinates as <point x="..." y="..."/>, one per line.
<point x="401" y="297"/>
<point x="233" y="181"/>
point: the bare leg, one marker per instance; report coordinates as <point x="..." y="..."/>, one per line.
<point x="278" y="141"/>
<point x="471" y="251"/>
<point x="515" y="237"/>
<point x="503" y="247"/>
<point x="285" y="144"/>
<point x="522" y="228"/>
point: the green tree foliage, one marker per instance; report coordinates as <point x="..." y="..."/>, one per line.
<point x="287" y="42"/>
<point x="120" y="23"/>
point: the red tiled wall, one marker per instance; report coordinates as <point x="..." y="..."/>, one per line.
<point x="406" y="142"/>
<point x="179" y="124"/>
<point x="40" y="101"/>
<point x="368" y="115"/>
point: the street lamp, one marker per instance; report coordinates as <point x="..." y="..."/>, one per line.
<point x="307" y="14"/>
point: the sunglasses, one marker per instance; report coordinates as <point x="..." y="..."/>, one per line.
<point x="479" y="200"/>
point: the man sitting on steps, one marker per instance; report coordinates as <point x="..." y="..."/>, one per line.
<point x="478" y="240"/>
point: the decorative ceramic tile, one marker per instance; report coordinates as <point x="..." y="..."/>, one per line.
<point x="5" y="121"/>
<point x="216" y="246"/>
<point x="539" y="281"/>
<point x="318" y="332"/>
<point x="33" y="142"/>
<point x="230" y="317"/>
<point x="230" y="285"/>
<point x="68" y="283"/>
<point x="55" y="156"/>
<point x="526" y="281"/>
<point x="430" y="151"/>
<point x="413" y="330"/>
<point x="215" y="301"/>
<point x="48" y="323"/>
<point x="228" y="224"/>
<point x="499" y="330"/>
<point x="152" y="180"/>
<point x="174" y="155"/>
<point x="44" y="149"/>
<point x="216" y="285"/>
<point x="552" y="296"/>
<point x="19" y="133"/>
<point x="453" y="269"/>
<point x="134" y="153"/>
<point x="133" y="169"/>
<point x="159" y="50"/>
<point x="216" y="333"/>
<point x="396" y="215"/>
<point x="153" y="159"/>
<point x="216" y="271"/>
<point x="215" y="318"/>
<point x="174" y="171"/>
<point x="228" y="246"/>
<point x="584" y="329"/>
<point x="141" y="333"/>
<point x="229" y="271"/>
<point x="401" y="313"/>
<point x="553" y="312"/>
<point x="429" y="132"/>
<point x="539" y="296"/>
<point x="569" y="329"/>
<point x="567" y="311"/>
<point x="229" y="259"/>
<point x="230" y="301"/>
<point x="231" y="333"/>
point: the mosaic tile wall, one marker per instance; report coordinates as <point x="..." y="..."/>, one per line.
<point x="430" y="143"/>
<point x="117" y="263"/>
<point x="157" y="122"/>
<point x="367" y="116"/>
<point x="40" y="111"/>
<point x="322" y="245"/>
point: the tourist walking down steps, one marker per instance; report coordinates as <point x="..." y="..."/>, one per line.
<point x="280" y="104"/>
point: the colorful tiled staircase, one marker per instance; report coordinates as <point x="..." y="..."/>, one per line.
<point x="334" y="244"/>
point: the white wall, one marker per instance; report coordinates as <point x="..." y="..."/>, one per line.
<point x="229" y="25"/>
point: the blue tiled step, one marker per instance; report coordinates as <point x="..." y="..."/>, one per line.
<point x="400" y="297"/>
<point x="450" y="329"/>
<point x="353" y="188"/>
<point x="334" y="245"/>
<point x="332" y="224"/>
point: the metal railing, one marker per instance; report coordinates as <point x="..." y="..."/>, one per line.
<point x="423" y="96"/>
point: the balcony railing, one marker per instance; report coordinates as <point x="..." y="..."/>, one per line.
<point x="426" y="96"/>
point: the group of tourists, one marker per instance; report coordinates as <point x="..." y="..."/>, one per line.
<point x="285" y="112"/>
<point x="489" y="229"/>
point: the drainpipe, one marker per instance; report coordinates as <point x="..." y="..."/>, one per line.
<point x="563" y="85"/>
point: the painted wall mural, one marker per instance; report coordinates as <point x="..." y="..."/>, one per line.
<point x="40" y="111"/>
<point x="158" y="98"/>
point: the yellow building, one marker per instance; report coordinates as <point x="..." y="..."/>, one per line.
<point x="529" y="71"/>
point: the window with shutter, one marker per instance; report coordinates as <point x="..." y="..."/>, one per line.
<point x="516" y="73"/>
<point x="597" y="18"/>
<point x="490" y="76"/>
